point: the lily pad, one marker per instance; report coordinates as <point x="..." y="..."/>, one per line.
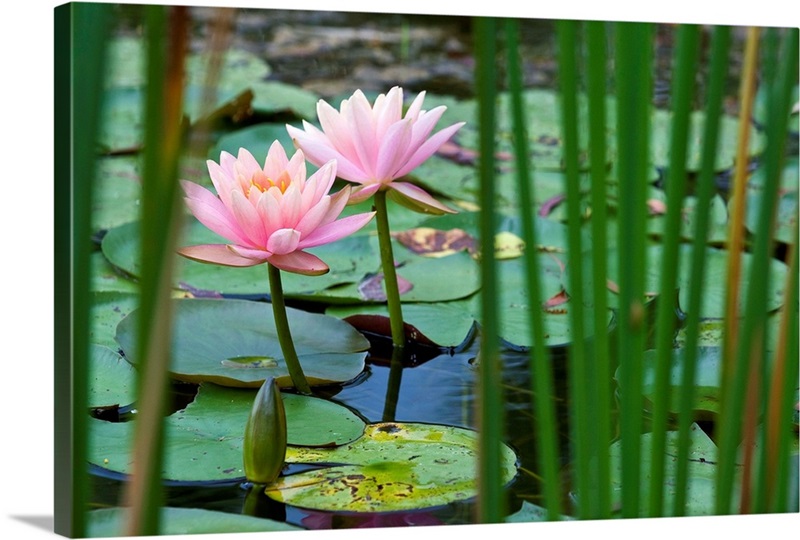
<point x="108" y="309"/>
<point x="706" y="385"/>
<point x="349" y="259"/>
<point x="531" y="512"/>
<point x="109" y="522"/>
<point x="117" y="193"/>
<point x="701" y="495"/>
<point x="393" y="466"/>
<point x="105" y="277"/>
<point x="716" y="231"/>
<point x="272" y="97"/>
<point x="203" y="442"/>
<point x="785" y="217"/>
<point x="447" y="324"/>
<point x="112" y="380"/>
<point x="714" y="282"/>
<point x="234" y="343"/>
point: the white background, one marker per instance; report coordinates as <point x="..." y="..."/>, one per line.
<point x="26" y="264"/>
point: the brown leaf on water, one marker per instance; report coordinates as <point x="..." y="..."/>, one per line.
<point x="430" y="242"/>
<point x="371" y="288"/>
<point x="656" y="207"/>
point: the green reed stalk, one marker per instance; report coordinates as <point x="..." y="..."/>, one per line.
<point x="686" y="57"/>
<point x="491" y="503"/>
<point x="775" y="163"/>
<point x="389" y="273"/>
<point x="167" y="31"/>
<point x="634" y="91"/>
<point x="751" y="343"/>
<point x="582" y="430"/>
<point x="541" y="370"/>
<point x="600" y="413"/>
<point x="80" y="50"/>
<point x="737" y="205"/>
<point x="284" y="331"/>
<point x="705" y="189"/>
<point x="780" y="426"/>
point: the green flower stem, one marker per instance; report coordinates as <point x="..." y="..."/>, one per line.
<point x="389" y="274"/>
<point x="284" y="333"/>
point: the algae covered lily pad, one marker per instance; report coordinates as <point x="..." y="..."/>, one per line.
<point x="393" y="466"/>
<point x="234" y="343"/>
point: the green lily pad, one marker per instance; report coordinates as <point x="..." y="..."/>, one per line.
<point x="789" y="178"/>
<point x="393" y="466"/>
<point x="105" y="277"/>
<point x="349" y="259"/>
<point x="531" y="512"/>
<point x="272" y="97"/>
<point x="716" y="232"/>
<point x="706" y="385"/>
<point x="108" y="309"/>
<point x="712" y="332"/>
<point x="785" y="217"/>
<point x="203" y="442"/>
<point x="109" y="522"/>
<point x="117" y="192"/>
<point x="660" y="127"/>
<point x="701" y="497"/>
<point x="431" y="279"/>
<point x="714" y="282"/>
<point x="112" y="380"/>
<point x="447" y="324"/>
<point x="234" y="343"/>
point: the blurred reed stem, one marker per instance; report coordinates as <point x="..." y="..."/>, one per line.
<point x="582" y="431"/>
<point x="167" y="33"/>
<point x="491" y="503"/>
<point x="720" y="45"/>
<point x="600" y="413"/>
<point x="634" y="86"/>
<point x="81" y="33"/>
<point x="685" y="65"/>
<point x="750" y="350"/>
<point x="541" y="370"/>
<point x="780" y="425"/>
<point x="777" y="131"/>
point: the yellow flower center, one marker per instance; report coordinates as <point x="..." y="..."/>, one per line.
<point x="262" y="182"/>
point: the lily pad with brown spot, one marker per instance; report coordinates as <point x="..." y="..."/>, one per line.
<point x="430" y="242"/>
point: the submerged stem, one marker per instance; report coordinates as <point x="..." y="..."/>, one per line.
<point x="389" y="274"/>
<point x="284" y="333"/>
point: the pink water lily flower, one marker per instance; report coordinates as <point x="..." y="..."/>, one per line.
<point x="375" y="145"/>
<point x="270" y="213"/>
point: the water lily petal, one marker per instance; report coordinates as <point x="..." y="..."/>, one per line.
<point x="417" y="199"/>
<point x="394" y="147"/>
<point x="313" y="217"/>
<point x="211" y="212"/>
<point x="248" y="219"/>
<point x="283" y="241"/>
<point x="218" y="254"/>
<point x="362" y="193"/>
<point x="300" y="262"/>
<point x="428" y="148"/>
<point x="336" y="230"/>
<point x="319" y="151"/>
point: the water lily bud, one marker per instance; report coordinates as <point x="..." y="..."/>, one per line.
<point x="265" y="435"/>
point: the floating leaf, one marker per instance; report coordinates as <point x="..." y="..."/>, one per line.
<point x="393" y="466"/>
<point x="447" y="324"/>
<point x="706" y="384"/>
<point x="530" y="513"/>
<point x="210" y="335"/>
<point x="272" y="97"/>
<point x="430" y="242"/>
<point x="107" y="278"/>
<point x="702" y="473"/>
<point x="112" y="380"/>
<point x="108" y="309"/>
<point x="508" y="245"/>
<point x="785" y="216"/>
<point x="109" y="522"/>
<point x="117" y="192"/>
<point x="203" y="442"/>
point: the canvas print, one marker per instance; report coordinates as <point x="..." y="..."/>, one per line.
<point x="334" y="270"/>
